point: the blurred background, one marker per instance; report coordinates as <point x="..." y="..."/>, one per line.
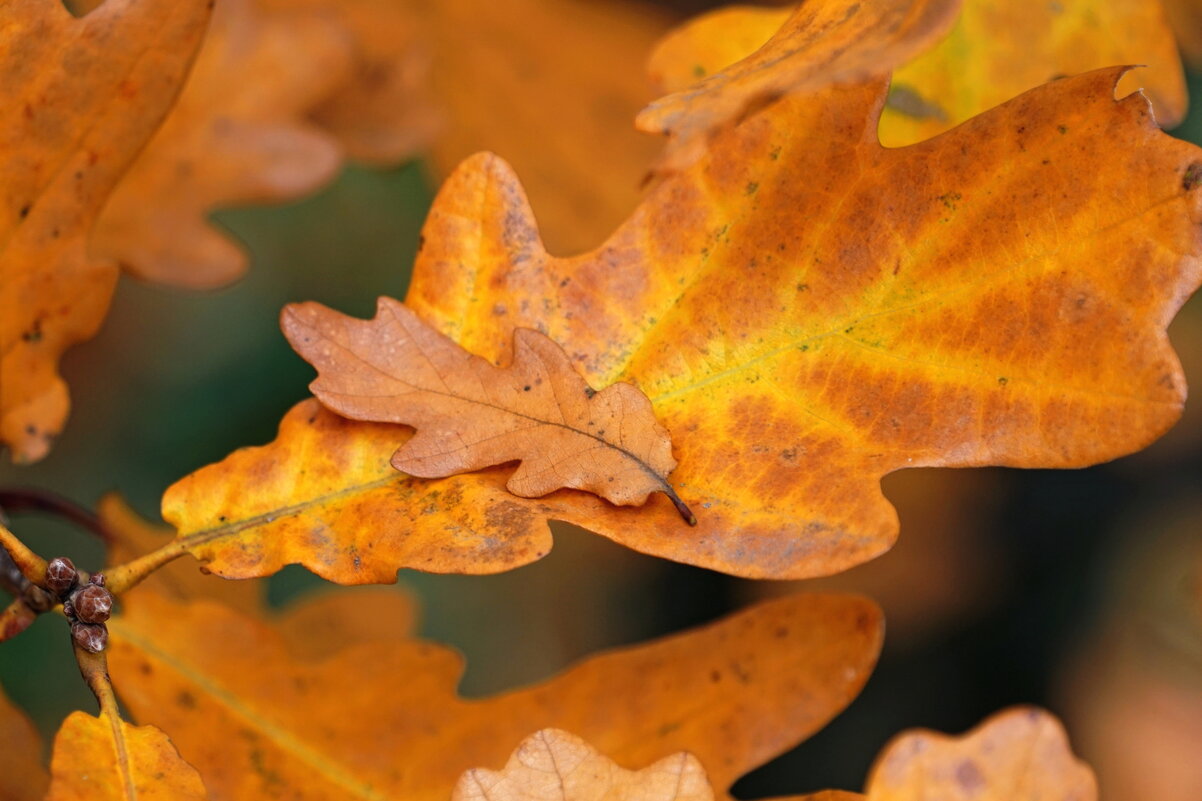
<point x="1080" y="591"/>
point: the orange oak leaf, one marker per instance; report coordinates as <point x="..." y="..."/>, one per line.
<point x="381" y="719"/>
<point x="83" y="96"/>
<point x="807" y="311"/>
<point x="1020" y="754"/>
<point x="994" y="51"/>
<point x="239" y="134"/>
<point x="505" y="82"/>
<point x="102" y="759"/>
<point x="822" y="43"/>
<point x="470" y="414"/>
<point x="382" y="112"/>
<point x="22" y="777"/>
<point x="553" y="765"/>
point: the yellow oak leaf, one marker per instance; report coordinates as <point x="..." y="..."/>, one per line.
<point x="820" y="44"/>
<point x="104" y="759"/>
<point x="807" y="311"/>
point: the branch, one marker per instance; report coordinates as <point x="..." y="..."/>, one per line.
<point x="30" y="499"/>
<point x="32" y="566"/>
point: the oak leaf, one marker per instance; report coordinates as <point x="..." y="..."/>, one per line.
<point x="381" y="719"/>
<point x="84" y="96"/>
<point x="469" y="414"/>
<point x="1019" y="754"/>
<point x="22" y="777"/>
<point x="553" y="765"/>
<point x="820" y="44"/>
<point x="994" y="51"/>
<point x="505" y="82"/>
<point x="807" y="311"/>
<point x="239" y="134"/>
<point x="382" y="111"/>
<point x="103" y="759"/>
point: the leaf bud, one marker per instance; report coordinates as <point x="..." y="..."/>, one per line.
<point x="91" y="637"/>
<point x="60" y="575"/>
<point x="92" y="603"/>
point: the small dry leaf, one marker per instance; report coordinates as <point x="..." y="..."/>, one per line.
<point x="823" y="43"/>
<point x="1020" y="754"/>
<point x="22" y="777"/>
<point x="381" y="718"/>
<point x="470" y="414"/>
<point x="553" y="765"/>
<point x="81" y="99"/>
<point x="239" y="134"/>
<point x="102" y="759"/>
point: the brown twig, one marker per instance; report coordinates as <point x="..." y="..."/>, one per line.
<point x="31" y="499"/>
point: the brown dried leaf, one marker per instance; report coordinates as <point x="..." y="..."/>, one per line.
<point x="470" y="414"/>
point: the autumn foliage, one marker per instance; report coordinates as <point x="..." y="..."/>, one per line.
<point x="873" y="236"/>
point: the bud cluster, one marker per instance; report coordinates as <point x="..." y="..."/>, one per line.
<point x="86" y="605"/>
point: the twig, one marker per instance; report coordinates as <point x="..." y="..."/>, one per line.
<point x="30" y="499"/>
<point x="32" y="566"/>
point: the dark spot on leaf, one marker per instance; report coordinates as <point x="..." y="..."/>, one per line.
<point x="969" y="777"/>
<point x="751" y="188"/>
<point x="698" y="71"/>
<point x="1192" y="177"/>
<point x="1003" y="380"/>
<point x="526" y="388"/>
<point x="1062" y="128"/>
<point x="589" y="392"/>
<point x="25" y="210"/>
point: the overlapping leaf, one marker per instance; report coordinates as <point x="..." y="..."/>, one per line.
<point x="822" y="43"/>
<point x="995" y="51"/>
<point x="103" y="759"/>
<point x="471" y="414"/>
<point x="82" y="98"/>
<point x="807" y="311"/>
<point x="381" y="719"/>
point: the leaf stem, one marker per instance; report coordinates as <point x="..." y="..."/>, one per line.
<point x="124" y="577"/>
<point x="685" y="511"/>
<point x="95" y="671"/>
<point x="31" y="499"/>
<point x="32" y="566"/>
